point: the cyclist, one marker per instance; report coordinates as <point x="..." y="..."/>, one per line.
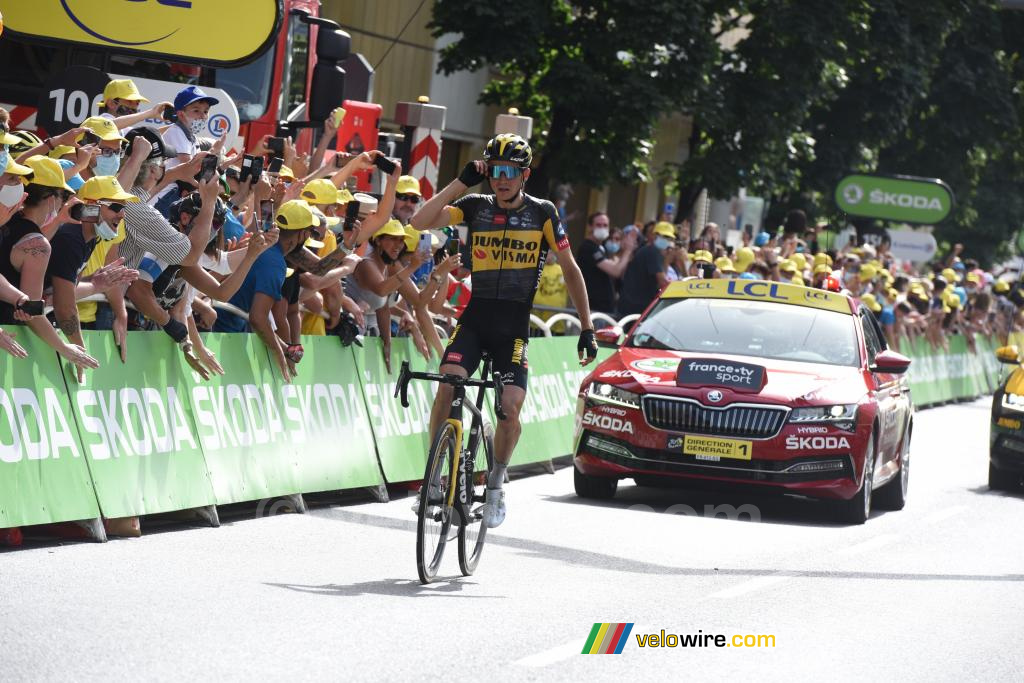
<point x="509" y="235"/>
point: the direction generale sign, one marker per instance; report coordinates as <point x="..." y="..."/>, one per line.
<point x="895" y="198"/>
<point x="186" y="30"/>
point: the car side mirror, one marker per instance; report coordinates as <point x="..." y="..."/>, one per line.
<point x="1008" y="354"/>
<point x="891" y="362"/>
<point x="608" y="337"/>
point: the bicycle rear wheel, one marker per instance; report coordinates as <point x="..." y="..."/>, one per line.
<point x="434" y="517"/>
<point x="472" y="533"/>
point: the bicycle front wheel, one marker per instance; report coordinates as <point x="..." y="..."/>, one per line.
<point x="472" y="533"/>
<point x="434" y="517"/>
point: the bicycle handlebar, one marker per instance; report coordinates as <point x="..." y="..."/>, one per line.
<point x="405" y="375"/>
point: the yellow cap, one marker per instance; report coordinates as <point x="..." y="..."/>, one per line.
<point x="14" y="168"/>
<point x="286" y="173"/>
<point x="8" y="139"/>
<point x="744" y="257"/>
<point x="822" y="269"/>
<point x="320" y="191"/>
<point x="1001" y="286"/>
<point x="952" y="300"/>
<point x="892" y="294"/>
<point x="787" y="266"/>
<point x="702" y="255"/>
<point x="46" y="172"/>
<point x="104" y="187"/>
<point x="871" y="302"/>
<point x="868" y="272"/>
<point x="821" y="257"/>
<point x="344" y="196"/>
<point x="393" y="228"/>
<point x="313" y="244"/>
<point x="296" y="215"/>
<point x="665" y="229"/>
<point x="797" y="280"/>
<point x="800" y="260"/>
<point x="973" y="277"/>
<point x="102" y="128"/>
<point x="412" y="238"/>
<point x="949" y="274"/>
<point x="408" y="184"/>
<point x="60" y="150"/>
<point x="724" y="264"/>
<point x="122" y="89"/>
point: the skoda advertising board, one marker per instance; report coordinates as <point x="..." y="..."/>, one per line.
<point x="907" y="199"/>
<point x="184" y="30"/>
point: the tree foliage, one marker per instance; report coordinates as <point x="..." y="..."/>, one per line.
<point x="810" y="91"/>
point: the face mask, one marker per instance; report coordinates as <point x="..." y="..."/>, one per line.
<point x="661" y="243"/>
<point x="11" y="194"/>
<point x="5" y="158"/>
<point x="197" y="125"/>
<point x="104" y="231"/>
<point x="107" y="165"/>
<point x="612" y="247"/>
<point x="600" y="234"/>
<point x="55" y="204"/>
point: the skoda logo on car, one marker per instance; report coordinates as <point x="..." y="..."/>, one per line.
<point x="714" y="395"/>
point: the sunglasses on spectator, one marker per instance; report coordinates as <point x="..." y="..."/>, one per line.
<point x="116" y="207"/>
<point x="107" y="152"/>
<point x="408" y="198"/>
<point x="506" y="170"/>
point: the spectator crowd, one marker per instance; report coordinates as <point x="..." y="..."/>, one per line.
<point x="135" y="222"/>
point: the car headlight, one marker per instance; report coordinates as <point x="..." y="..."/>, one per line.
<point x="842" y="416"/>
<point x="608" y="393"/>
<point x="1013" y="401"/>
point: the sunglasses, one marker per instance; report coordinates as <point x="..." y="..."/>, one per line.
<point x="508" y="171"/>
<point x="408" y="198"/>
<point x="116" y="207"/>
<point x="107" y="152"/>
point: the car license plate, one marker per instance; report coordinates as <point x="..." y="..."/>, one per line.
<point x="706" y="448"/>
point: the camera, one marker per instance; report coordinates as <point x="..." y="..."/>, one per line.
<point x="452" y="246"/>
<point x="209" y="168"/>
<point x="351" y="214"/>
<point x="34" y="307"/>
<point x="276" y="145"/>
<point x="384" y="164"/>
<point x="274" y="167"/>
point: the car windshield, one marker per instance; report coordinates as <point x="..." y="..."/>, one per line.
<point x="249" y="85"/>
<point x="749" y="328"/>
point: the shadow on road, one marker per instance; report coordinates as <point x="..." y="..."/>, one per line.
<point x="403" y="588"/>
<point x="736" y="506"/>
<point x="595" y="560"/>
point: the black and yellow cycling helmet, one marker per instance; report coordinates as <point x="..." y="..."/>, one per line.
<point x="509" y="147"/>
<point x="27" y="141"/>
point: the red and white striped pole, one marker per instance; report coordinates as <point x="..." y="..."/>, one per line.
<point x="422" y="124"/>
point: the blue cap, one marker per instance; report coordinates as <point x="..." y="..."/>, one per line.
<point x="959" y="265"/>
<point x="761" y="239"/>
<point x="749" y="276"/>
<point x="75" y="181"/>
<point x="192" y="93"/>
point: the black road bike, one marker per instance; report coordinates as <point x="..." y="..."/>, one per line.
<point x="451" y="483"/>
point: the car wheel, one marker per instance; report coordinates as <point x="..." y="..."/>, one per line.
<point x="858" y="509"/>
<point x="587" y="486"/>
<point x="893" y="496"/>
<point x="1001" y="480"/>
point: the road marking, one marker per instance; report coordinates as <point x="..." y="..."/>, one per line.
<point x="945" y="514"/>
<point x="555" y="654"/>
<point x="752" y="585"/>
<point x="871" y="544"/>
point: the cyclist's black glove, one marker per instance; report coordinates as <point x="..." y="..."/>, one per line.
<point x="471" y="177"/>
<point x="587" y="347"/>
<point x="177" y="331"/>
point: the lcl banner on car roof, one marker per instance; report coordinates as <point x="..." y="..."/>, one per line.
<point x="758" y="290"/>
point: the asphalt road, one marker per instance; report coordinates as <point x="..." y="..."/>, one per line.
<point x="933" y="592"/>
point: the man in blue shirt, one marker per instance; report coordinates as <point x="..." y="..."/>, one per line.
<point x="262" y="286"/>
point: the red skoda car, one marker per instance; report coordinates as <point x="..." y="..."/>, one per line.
<point x="751" y="382"/>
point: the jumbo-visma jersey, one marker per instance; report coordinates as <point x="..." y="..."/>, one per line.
<point x="508" y="247"/>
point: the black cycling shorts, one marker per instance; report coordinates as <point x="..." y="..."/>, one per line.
<point x="487" y="328"/>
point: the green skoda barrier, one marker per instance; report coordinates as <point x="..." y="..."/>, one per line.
<point x="136" y="426"/>
<point x="44" y="476"/>
<point x="937" y="375"/>
<point x="400" y="434"/>
<point x="264" y="438"/>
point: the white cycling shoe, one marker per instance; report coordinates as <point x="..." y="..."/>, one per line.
<point x="494" y="508"/>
